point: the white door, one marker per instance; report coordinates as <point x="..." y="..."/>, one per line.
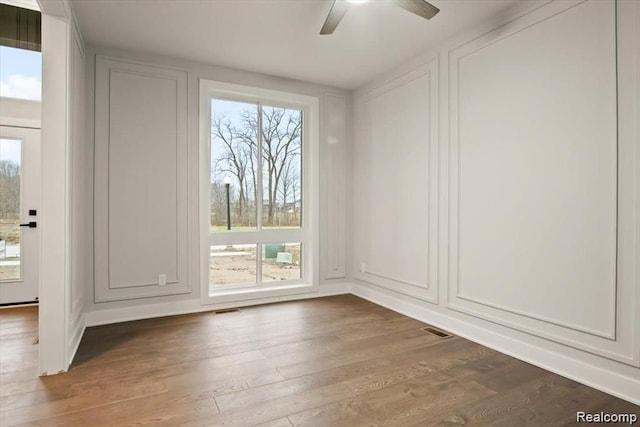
<point x="19" y="209"/>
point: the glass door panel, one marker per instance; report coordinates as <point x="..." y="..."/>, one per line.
<point x="10" y="198"/>
<point x="19" y="205"/>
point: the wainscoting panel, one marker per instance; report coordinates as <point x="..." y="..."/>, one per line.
<point x="141" y="180"/>
<point x="335" y="161"/>
<point x="534" y="180"/>
<point x="396" y="152"/>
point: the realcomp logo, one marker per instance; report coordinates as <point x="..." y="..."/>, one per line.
<point x="603" y="417"/>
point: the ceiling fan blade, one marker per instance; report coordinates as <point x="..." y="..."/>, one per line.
<point x="338" y="9"/>
<point x="419" y="7"/>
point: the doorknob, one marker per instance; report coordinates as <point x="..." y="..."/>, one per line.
<point x="31" y="224"/>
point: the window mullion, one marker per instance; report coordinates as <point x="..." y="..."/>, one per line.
<point x="259" y="197"/>
<point x="209" y="149"/>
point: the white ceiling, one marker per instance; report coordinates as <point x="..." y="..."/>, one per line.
<point x="279" y="37"/>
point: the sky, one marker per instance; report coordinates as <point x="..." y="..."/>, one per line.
<point x="10" y="150"/>
<point x="20" y="73"/>
<point x="20" y="77"/>
<point x="233" y="111"/>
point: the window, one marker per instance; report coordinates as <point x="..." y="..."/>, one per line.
<point x="258" y="190"/>
<point x="20" y="73"/>
<point x="256" y="179"/>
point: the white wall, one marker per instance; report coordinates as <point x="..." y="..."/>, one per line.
<point x="496" y="192"/>
<point x="65" y="260"/>
<point x="81" y="194"/>
<point x="141" y="208"/>
<point x="394" y="183"/>
<point x="106" y="303"/>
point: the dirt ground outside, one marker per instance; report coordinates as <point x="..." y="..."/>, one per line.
<point x="10" y="236"/>
<point x="237" y="265"/>
<point x="10" y="230"/>
<point x="9" y="272"/>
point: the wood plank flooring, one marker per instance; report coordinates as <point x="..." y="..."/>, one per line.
<point x="338" y="361"/>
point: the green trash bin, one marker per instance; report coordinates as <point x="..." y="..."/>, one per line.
<point x="270" y="251"/>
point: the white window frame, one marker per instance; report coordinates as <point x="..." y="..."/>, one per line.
<point x="307" y="234"/>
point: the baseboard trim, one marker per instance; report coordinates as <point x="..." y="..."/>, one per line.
<point x="587" y="374"/>
<point x="149" y="311"/>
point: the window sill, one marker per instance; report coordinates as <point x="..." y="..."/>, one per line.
<point x="253" y="292"/>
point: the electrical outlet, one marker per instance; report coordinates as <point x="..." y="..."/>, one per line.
<point x="363" y="267"/>
<point x="162" y="279"/>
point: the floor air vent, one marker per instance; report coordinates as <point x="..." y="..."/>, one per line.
<point x="225" y="310"/>
<point x="437" y="332"/>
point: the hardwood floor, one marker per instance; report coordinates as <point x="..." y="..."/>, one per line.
<point x="326" y="362"/>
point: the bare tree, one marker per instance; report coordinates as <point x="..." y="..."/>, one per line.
<point x="218" y="203"/>
<point x="237" y="156"/>
<point x="234" y="159"/>
<point x="282" y="132"/>
<point x="290" y="179"/>
<point x="9" y="189"/>
<point x="249" y="136"/>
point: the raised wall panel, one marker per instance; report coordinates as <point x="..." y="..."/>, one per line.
<point x="533" y="174"/>
<point x="335" y="186"/>
<point x="395" y="218"/>
<point x="140" y="205"/>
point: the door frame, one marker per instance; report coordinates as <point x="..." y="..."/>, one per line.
<point x="32" y="161"/>
<point x="55" y="233"/>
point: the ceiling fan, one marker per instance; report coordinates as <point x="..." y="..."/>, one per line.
<point x="340" y="7"/>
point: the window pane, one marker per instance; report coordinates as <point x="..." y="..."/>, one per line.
<point x="281" y="167"/>
<point x="281" y="261"/>
<point x="234" y="165"/>
<point x="232" y="265"/>
<point x="20" y="73"/>
<point x="10" y="162"/>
